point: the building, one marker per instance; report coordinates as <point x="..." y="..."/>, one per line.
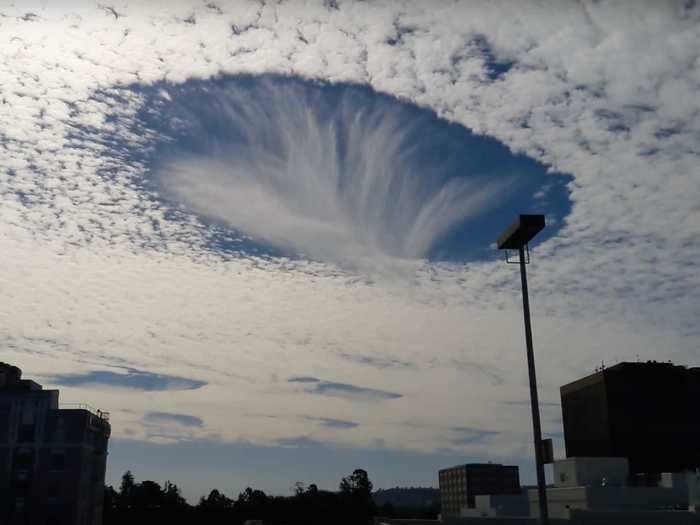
<point x="647" y="412"/>
<point x="52" y="460"/>
<point x="587" y="488"/>
<point x="591" y="472"/>
<point x="499" y="505"/>
<point x="461" y="484"/>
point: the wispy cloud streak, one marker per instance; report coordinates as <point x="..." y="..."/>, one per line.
<point x="341" y="183"/>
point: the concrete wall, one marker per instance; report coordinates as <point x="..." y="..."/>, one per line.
<point x="587" y="518"/>
<point x="633" y="518"/>
<point x="563" y="500"/>
<point x="583" y="472"/>
<point x="502" y="505"/>
<point x="693" y="479"/>
<point x="505" y="520"/>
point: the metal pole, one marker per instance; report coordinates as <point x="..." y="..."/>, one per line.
<point x="536" y="429"/>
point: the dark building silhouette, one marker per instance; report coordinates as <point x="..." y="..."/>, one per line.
<point x="52" y="461"/>
<point x="459" y="485"/>
<point x="648" y="412"/>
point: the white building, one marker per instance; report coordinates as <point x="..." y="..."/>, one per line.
<point x="600" y="484"/>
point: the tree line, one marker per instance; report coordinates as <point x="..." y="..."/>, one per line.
<point x="148" y="502"/>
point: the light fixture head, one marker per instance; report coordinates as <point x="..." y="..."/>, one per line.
<point x="521" y="232"/>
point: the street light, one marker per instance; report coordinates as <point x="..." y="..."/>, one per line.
<point x="517" y="237"/>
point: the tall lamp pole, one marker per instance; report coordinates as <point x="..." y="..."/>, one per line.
<point x="517" y="237"/>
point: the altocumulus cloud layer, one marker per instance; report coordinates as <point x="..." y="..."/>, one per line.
<point x="116" y="257"/>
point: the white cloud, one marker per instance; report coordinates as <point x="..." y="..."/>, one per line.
<point x="93" y="273"/>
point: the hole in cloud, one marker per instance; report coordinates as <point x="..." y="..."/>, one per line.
<point x="495" y="68"/>
<point x="332" y="172"/>
<point x="132" y="379"/>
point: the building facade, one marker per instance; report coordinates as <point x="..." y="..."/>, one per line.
<point x="52" y="460"/>
<point x="461" y="484"/>
<point x="587" y="486"/>
<point x="647" y="412"/>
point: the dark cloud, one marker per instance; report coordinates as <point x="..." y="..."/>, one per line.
<point x="471" y="436"/>
<point x="377" y="362"/>
<point x="332" y="422"/>
<point x="495" y="376"/>
<point x="132" y="379"/>
<point x="344" y="390"/>
<point x="168" y="417"/>
<point x="303" y="379"/>
<point x="332" y="389"/>
<point x="329" y="422"/>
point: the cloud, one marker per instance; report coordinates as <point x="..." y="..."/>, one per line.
<point x="132" y="379"/>
<point x="471" y="436"/>
<point x="601" y="92"/>
<point x="332" y="422"/>
<point x="168" y="417"/>
<point x="336" y="173"/>
<point x="299" y="442"/>
<point x="351" y="392"/>
<point x="343" y="390"/>
<point x="494" y="374"/>
<point x="376" y="361"/>
<point x="303" y="379"/>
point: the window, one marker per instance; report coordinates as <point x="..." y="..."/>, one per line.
<point x="24" y="459"/>
<point x="54" y="490"/>
<point x="26" y="433"/>
<point x="60" y="432"/>
<point x="58" y="460"/>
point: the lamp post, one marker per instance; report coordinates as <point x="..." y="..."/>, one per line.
<point x="517" y="237"/>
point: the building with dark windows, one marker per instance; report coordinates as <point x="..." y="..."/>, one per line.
<point x="459" y="485"/>
<point x="52" y="460"/>
<point x="646" y="412"/>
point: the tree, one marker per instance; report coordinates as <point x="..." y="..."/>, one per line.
<point x="110" y="501"/>
<point x="357" y="483"/>
<point x="356" y="497"/>
<point x="215" y="501"/>
<point x="148" y="495"/>
<point x="252" y="497"/>
<point x="171" y="496"/>
<point x="126" y="490"/>
<point x="127" y="484"/>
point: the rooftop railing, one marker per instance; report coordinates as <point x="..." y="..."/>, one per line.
<point x="104" y="416"/>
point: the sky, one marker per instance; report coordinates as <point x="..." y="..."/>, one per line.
<point x="261" y="234"/>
